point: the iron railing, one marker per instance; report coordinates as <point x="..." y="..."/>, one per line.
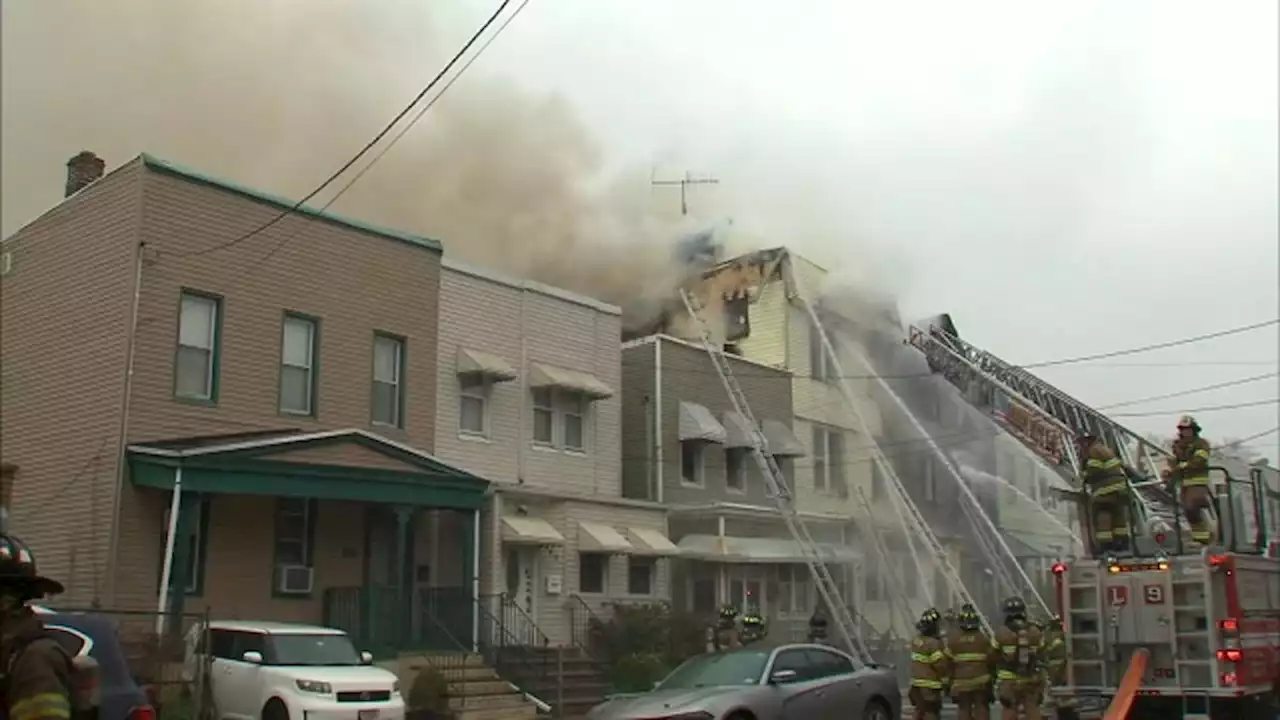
<point x="583" y="622"/>
<point x="453" y="666"/>
<point x="512" y="644"/>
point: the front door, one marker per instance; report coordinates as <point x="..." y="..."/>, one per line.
<point x="746" y="589"/>
<point x="522" y="577"/>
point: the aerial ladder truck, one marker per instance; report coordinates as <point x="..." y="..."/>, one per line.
<point x="1208" y="617"/>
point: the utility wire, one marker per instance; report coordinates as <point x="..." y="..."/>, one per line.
<point x="365" y="150"/>
<point x="1191" y="391"/>
<point x="1208" y="408"/>
<point x="1255" y="436"/>
<point x="1156" y="346"/>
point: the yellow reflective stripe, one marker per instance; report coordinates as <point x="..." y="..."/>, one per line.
<point x="1193" y="481"/>
<point x="927" y="684"/>
<point x="1202" y="454"/>
<point x="1006" y="675"/>
<point x="1104" y="535"/>
<point x="44" y="705"/>
<point x="1055" y="643"/>
<point x="970" y="657"/>
<point x="928" y="659"/>
<point x="1111" y="489"/>
<point x="1122" y="531"/>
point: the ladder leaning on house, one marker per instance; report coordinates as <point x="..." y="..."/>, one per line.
<point x="776" y="485"/>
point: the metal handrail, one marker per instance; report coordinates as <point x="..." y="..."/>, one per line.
<point x="580" y="633"/>
<point x="453" y="672"/>
<point x="512" y="614"/>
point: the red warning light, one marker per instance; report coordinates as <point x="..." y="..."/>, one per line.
<point x="1217" y="560"/>
<point x="1229" y="679"/>
<point x="1160" y="538"/>
<point x="1059" y="568"/>
<point x="1231" y="655"/>
<point x="1229" y="625"/>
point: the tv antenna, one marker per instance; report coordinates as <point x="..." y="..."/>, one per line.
<point x="684" y="184"/>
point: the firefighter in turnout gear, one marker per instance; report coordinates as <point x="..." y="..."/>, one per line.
<point x="753" y="628"/>
<point x="930" y="669"/>
<point x="1055" y="667"/>
<point x="971" y="657"/>
<point x="1189" y="467"/>
<point x="1019" y="674"/>
<point x="818" y="626"/>
<point x="37" y="672"/>
<point x="1108" y="489"/>
<point x="726" y="635"/>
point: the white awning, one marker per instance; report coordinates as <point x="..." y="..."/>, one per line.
<point x="598" y="537"/>
<point x="485" y="365"/>
<point x="697" y="423"/>
<point x="737" y="430"/>
<point x="758" y="550"/>
<point x="782" y="442"/>
<point x="530" y="531"/>
<point x="651" y="542"/>
<point x="549" y="376"/>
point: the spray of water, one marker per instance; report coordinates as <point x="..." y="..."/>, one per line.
<point x="986" y="478"/>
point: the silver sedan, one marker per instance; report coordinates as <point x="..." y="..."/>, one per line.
<point x="785" y="682"/>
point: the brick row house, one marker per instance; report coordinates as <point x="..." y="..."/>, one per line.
<point x="299" y="416"/>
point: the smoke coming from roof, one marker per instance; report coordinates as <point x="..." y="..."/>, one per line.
<point x="278" y="94"/>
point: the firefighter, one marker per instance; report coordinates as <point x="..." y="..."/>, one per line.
<point x="1190" y="466"/>
<point x="753" y="628"/>
<point x="37" y="672"/>
<point x="1020" y="682"/>
<point x="970" y="654"/>
<point x="930" y="670"/>
<point x="1055" y="667"/>
<point x="726" y="634"/>
<point x="1108" y="489"/>
<point x="949" y="623"/>
<point x="818" y="626"/>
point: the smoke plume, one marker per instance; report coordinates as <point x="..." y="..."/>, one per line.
<point x="278" y="94"/>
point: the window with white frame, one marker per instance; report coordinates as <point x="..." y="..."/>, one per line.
<point x="828" y="459"/>
<point x="872" y="586"/>
<point x="544" y="416"/>
<point x="641" y="572"/>
<point x="877" y="481"/>
<point x="574" y="413"/>
<point x="297" y="365"/>
<point x="294" y="533"/>
<point x="795" y="595"/>
<point x="692" y="462"/>
<point x="910" y="577"/>
<point x="473" y="406"/>
<point x="820" y="365"/>
<point x="195" y="368"/>
<point x="388" y="384"/>
<point x="735" y="468"/>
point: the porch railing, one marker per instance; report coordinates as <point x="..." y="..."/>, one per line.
<point x="582" y="623"/>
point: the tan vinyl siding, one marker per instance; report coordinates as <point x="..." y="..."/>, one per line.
<point x="64" y="309"/>
<point x="639" y="408"/>
<point x="767" y="342"/>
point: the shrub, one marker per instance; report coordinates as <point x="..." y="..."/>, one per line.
<point x="430" y="692"/>
<point x="640" y="644"/>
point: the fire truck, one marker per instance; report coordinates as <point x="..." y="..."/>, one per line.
<point x="1208" y="616"/>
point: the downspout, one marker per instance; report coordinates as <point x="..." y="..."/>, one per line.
<point x="475" y="579"/>
<point x="122" y="442"/>
<point x="657" y="415"/>
<point x="166" y="574"/>
<point x="524" y="388"/>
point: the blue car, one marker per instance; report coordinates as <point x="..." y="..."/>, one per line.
<point x="94" y="636"/>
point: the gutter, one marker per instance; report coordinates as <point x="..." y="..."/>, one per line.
<point x="657" y="418"/>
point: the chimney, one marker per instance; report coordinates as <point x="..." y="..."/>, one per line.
<point x="83" y="169"/>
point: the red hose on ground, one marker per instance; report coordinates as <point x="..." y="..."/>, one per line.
<point x="1120" y="704"/>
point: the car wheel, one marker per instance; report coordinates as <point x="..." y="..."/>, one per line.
<point x="876" y="710"/>
<point x="275" y="710"/>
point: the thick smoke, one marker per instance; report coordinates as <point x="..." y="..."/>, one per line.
<point x="278" y="94"/>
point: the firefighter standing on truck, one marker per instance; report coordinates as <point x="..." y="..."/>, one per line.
<point x="969" y="651"/>
<point x="1108" y="488"/>
<point x="36" y="682"/>
<point x="930" y="670"/>
<point x="1190" y="467"/>
<point x="1020" y="682"/>
<point x="1055" y="667"/>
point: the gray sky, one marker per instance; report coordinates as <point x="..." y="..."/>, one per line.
<point x="1064" y="180"/>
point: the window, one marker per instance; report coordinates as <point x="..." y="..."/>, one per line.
<point x="820" y="366"/>
<point x="544" y="416"/>
<point x="794" y="590"/>
<point x="473" y="404"/>
<point x="294" y="532"/>
<point x="575" y="409"/>
<point x="640" y="572"/>
<point x="195" y="372"/>
<point x="910" y="577"/>
<point x="877" y="481"/>
<point x="297" y="365"/>
<point x="691" y="462"/>
<point x="796" y="661"/>
<point x="593" y="569"/>
<point x="828" y="664"/>
<point x="388" y="380"/>
<point x="735" y="468"/>
<point x="929" y="480"/>
<point x="828" y="460"/>
<point x="873" y="588"/>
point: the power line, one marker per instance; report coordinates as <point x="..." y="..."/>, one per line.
<point x="1203" y="388"/>
<point x="1156" y="346"/>
<point x="784" y="374"/>
<point x="1255" y="436"/>
<point x="369" y="146"/>
<point x="1208" y="408"/>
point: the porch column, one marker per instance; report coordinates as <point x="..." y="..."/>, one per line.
<point x="183" y="547"/>
<point x="404" y="520"/>
<point x="470" y="567"/>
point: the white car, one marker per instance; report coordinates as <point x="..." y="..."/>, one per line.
<point x="283" y="671"/>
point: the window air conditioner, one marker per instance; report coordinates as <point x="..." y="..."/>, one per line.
<point x="294" y="579"/>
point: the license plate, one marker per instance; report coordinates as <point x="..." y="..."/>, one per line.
<point x="368" y="715"/>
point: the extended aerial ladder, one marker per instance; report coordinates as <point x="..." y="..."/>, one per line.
<point x="776" y="484"/>
<point x="1049" y="420"/>
<point x="941" y="556"/>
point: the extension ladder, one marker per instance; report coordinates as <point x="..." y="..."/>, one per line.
<point x="1048" y="420"/>
<point x="776" y="484"/>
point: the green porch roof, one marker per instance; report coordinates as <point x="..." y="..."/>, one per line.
<point x="244" y="465"/>
<point x="159" y="165"/>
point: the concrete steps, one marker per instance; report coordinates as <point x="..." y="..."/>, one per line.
<point x="573" y="683"/>
<point x="475" y="691"/>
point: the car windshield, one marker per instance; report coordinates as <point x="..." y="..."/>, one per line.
<point x="302" y="649"/>
<point x="743" y="667"/>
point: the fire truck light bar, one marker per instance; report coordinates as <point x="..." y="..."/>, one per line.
<point x="1157" y="565"/>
